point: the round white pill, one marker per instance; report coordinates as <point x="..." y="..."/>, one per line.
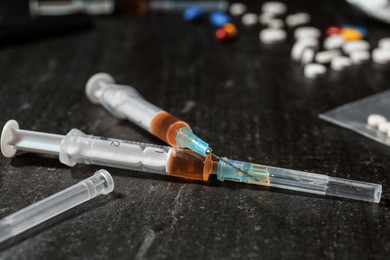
<point x="307" y="31"/>
<point x="333" y="42"/>
<point x="384" y="127"/>
<point x="297" y="19"/>
<point x="307" y="56"/>
<point x="275" y="23"/>
<point x="375" y="120"/>
<point x="309" y="41"/>
<point x="249" y="19"/>
<point x="359" y="56"/>
<point x="340" y="63"/>
<point x="381" y="56"/>
<point x="264" y="18"/>
<point x="301" y="45"/>
<point x="270" y="36"/>
<point x="274" y="7"/>
<point x="325" y="57"/>
<point x="314" y="70"/>
<point x="384" y="43"/>
<point x="351" y="46"/>
<point x="297" y="51"/>
<point x="237" y="9"/>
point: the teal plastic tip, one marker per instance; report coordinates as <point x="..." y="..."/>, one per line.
<point x="186" y="138"/>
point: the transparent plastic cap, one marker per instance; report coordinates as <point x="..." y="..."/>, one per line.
<point x="100" y="183"/>
<point x="186" y="138"/>
<point x="299" y="181"/>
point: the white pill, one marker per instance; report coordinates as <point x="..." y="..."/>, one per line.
<point x="384" y="43"/>
<point x="381" y="56"/>
<point x="297" y="19"/>
<point x="237" y="9"/>
<point x="249" y="19"/>
<point x="351" y="46"/>
<point x="264" y="18"/>
<point x="307" y="56"/>
<point x="275" y="23"/>
<point x="340" y="63"/>
<point x="307" y="31"/>
<point x="333" y="42"/>
<point x="375" y="120"/>
<point x="359" y="57"/>
<point x="270" y="36"/>
<point x="274" y="7"/>
<point x="297" y="51"/>
<point x="326" y="57"/>
<point x="314" y="70"/>
<point x="301" y="45"/>
<point x="309" y="41"/>
<point x="384" y="127"/>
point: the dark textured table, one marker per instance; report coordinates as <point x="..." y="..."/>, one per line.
<point x="249" y="101"/>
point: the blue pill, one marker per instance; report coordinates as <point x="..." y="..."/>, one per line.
<point x="192" y="13"/>
<point x="361" y="29"/>
<point x="219" y="19"/>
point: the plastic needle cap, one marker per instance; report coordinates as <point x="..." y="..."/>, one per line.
<point x="100" y="183"/>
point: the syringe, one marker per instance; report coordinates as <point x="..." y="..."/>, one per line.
<point x="126" y="103"/>
<point x="77" y="147"/>
<point x="100" y="183"/>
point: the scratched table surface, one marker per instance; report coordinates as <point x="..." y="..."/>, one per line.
<point x="248" y="100"/>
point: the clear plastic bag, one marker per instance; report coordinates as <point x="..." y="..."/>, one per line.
<point x="354" y="115"/>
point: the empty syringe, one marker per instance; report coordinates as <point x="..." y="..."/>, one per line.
<point x="77" y="147"/>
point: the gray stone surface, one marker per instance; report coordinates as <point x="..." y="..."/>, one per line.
<point x="249" y="101"/>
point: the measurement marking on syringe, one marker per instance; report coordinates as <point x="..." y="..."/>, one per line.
<point x="143" y="144"/>
<point x="115" y="143"/>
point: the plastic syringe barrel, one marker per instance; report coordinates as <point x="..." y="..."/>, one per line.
<point x="77" y="147"/>
<point x="299" y="181"/>
<point x="126" y="103"/>
<point x="100" y="183"/>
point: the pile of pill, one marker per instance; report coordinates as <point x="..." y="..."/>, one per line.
<point x="342" y="47"/>
<point x="381" y="54"/>
<point x="270" y="18"/>
<point x="379" y="122"/>
<point x="226" y="30"/>
<point x="273" y="18"/>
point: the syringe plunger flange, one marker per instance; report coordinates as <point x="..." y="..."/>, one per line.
<point x="96" y="83"/>
<point x="13" y="139"/>
<point x="7" y="136"/>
